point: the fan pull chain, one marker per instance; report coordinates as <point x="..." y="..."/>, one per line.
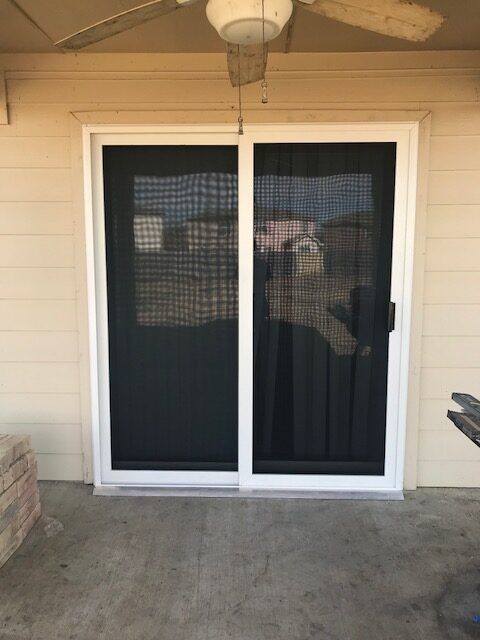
<point x="264" y="81"/>
<point x="240" y="116"/>
<point x="264" y="92"/>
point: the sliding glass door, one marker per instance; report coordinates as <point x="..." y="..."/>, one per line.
<point x="244" y="291"/>
<point x="172" y="288"/>
<point x="170" y="235"/>
<point x="323" y="222"/>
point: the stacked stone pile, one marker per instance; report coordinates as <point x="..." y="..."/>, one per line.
<point x="19" y="497"/>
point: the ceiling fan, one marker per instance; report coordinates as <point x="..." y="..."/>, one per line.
<point x="247" y="25"/>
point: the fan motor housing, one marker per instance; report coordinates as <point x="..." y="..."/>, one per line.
<point x="241" y="21"/>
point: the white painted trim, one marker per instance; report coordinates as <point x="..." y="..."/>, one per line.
<point x="189" y="130"/>
<point x="204" y="65"/>
<point x="91" y="304"/>
<point x="406" y="136"/>
<point x="409" y="243"/>
<point x="412" y="417"/>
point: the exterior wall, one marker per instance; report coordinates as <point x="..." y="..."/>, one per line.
<point x="42" y="285"/>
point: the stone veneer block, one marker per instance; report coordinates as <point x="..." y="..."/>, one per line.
<point x="11" y="449"/>
<point x="19" y="497"/>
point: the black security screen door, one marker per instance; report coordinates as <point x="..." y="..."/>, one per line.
<point x="323" y="225"/>
<point x="172" y="285"/>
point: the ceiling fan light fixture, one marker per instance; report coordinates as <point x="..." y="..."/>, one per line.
<point x="240" y="21"/>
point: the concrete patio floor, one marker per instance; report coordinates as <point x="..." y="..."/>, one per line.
<point x="246" y="569"/>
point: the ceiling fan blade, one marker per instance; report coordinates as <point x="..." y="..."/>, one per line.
<point x="395" y="18"/>
<point x="120" y="22"/>
<point x="246" y="63"/>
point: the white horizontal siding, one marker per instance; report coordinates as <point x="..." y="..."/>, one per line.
<point x="452" y="288"/>
<point x="35" y="185"/>
<point x="36" y="218"/>
<point x="448" y="351"/>
<point x="39" y="377"/>
<point x="433" y="414"/>
<point x="446" y="445"/>
<point x="53" y="439"/>
<point x="441" y="382"/>
<point x="455" y="119"/>
<point x="451" y="342"/>
<point x="454" y="187"/>
<point x="38" y="325"/>
<point x="40" y="408"/>
<point x="38" y="346"/>
<point x="454" y="153"/>
<point x="204" y="90"/>
<point x="35" y="283"/>
<point x="451" y="320"/>
<point x="34" y="152"/>
<point x="453" y="221"/>
<point x="453" y="254"/>
<point x="36" y="251"/>
<point x="38" y="315"/>
<point x="448" y="473"/>
<point x="60" y="467"/>
<point x="37" y="120"/>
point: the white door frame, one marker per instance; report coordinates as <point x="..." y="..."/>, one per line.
<point x="96" y="138"/>
<point x="405" y="135"/>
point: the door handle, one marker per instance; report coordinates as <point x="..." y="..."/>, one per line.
<point x="391" y="316"/>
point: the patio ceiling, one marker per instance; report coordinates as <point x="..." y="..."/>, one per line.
<point x="189" y="31"/>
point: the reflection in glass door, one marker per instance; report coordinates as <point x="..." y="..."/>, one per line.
<point x="171" y="238"/>
<point x="323" y="226"/>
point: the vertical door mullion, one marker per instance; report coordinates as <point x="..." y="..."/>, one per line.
<point x="245" y="308"/>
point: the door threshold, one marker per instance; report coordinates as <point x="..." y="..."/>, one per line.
<point x="120" y="491"/>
